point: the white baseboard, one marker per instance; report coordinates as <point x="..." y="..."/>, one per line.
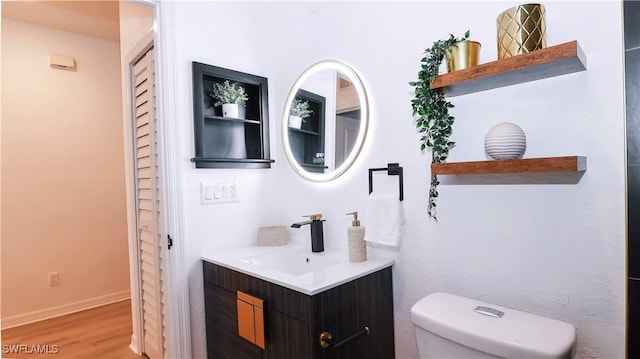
<point x="134" y="345"/>
<point x="60" y="310"/>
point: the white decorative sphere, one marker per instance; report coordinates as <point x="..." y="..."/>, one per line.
<point x="505" y="141"/>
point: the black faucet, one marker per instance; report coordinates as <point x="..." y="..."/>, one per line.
<point x="317" y="236"/>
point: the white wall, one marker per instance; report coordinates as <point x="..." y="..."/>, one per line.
<point x="556" y="250"/>
<point x="208" y="228"/>
<point x="62" y="174"/>
<point x="136" y="21"/>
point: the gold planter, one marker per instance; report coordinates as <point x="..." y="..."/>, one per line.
<point x="521" y="29"/>
<point x="462" y="54"/>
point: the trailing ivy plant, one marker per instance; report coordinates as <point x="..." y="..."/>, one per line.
<point x="431" y="112"/>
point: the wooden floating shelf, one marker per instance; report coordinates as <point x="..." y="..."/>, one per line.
<point x="527" y="165"/>
<point x="540" y="64"/>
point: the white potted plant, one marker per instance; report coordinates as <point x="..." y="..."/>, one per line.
<point x="298" y="113"/>
<point x="231" y="95"/>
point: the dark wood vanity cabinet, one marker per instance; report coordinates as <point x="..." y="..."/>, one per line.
<point x="294" y="321"/>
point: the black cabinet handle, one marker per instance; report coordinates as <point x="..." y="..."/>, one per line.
<point x="326" y="339"/>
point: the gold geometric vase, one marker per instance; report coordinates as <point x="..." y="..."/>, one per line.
<point x="521" y="29"/>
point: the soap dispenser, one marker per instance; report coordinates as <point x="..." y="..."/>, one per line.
<point x="357" y="245"/>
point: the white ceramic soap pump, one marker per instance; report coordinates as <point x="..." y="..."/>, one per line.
<point x="357" y="245"/>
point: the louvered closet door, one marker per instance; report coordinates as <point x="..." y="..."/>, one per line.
<point x="147" y="207"/>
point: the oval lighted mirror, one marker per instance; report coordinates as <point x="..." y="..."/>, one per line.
<point x="325" y="121"/>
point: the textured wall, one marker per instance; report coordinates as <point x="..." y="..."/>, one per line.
<point x="543" y="246"/>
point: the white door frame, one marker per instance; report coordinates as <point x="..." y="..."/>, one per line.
<point x="171" y="208"/>
<point x="132" y="218"/>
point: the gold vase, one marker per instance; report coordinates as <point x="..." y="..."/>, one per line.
<point x="521" y="29"/>
<point x="462" y="54"/>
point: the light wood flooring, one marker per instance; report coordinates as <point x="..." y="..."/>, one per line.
<point x="100" y="333"/>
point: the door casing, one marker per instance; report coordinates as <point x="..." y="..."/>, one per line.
<point x="168" y="132"/>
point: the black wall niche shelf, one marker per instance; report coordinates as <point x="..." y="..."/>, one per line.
<point x="226" y="142"/>
<point x="308" y="141"/>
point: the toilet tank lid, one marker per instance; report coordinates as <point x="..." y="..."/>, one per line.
<point x="515" y="334"/>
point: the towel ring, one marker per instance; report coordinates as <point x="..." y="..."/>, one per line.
<point x="393" y="169"/>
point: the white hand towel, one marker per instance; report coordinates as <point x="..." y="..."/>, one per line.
<point x="384" y="220"/>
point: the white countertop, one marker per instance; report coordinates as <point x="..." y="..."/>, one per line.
<point x="338" y="270"/>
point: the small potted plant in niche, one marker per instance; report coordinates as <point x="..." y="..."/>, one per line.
<point x="231" y="95"/>
<point x="298" y="113"/>
<point x="431" y="112"/>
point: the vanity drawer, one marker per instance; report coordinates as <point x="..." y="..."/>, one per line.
<point x="276" y="297"/>
<point x="223" y="340"/>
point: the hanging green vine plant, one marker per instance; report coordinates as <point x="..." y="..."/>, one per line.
<point x="431" y="111"/>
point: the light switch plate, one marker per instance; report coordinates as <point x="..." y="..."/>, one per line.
<point x="219" y="191"/>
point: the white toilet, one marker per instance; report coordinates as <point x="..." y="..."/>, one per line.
<point x="449" y="326"/>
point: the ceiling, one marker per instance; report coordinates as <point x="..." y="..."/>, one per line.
<point x="93" y="18"/>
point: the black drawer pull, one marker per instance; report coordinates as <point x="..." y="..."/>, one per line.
<point x="326" y="339"/>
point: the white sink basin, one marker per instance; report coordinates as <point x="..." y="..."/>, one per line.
<point x="297" y="268"/>
<point x="290" y="262"/>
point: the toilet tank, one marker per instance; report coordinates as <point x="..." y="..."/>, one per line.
<point x="454" y="324"/>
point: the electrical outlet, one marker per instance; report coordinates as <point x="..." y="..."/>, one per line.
<point x="233" y="192"/>
<point x="54" y="279"/>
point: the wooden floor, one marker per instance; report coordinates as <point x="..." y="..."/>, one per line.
<point x="103" y="332"/>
